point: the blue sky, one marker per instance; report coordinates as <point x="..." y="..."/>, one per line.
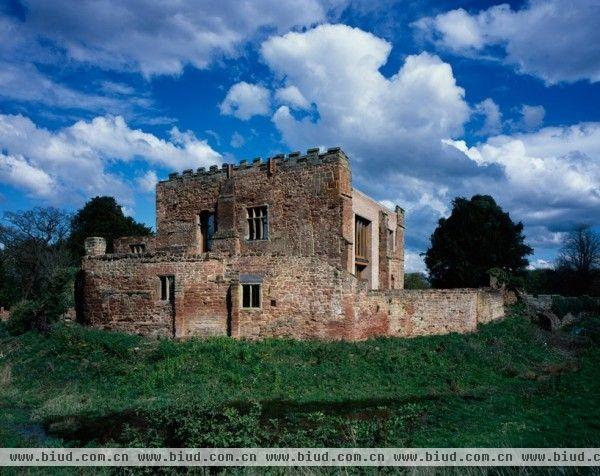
<point x="431" y="100"/>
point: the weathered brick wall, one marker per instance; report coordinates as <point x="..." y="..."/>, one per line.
<point x="199" y="306"/>
<point x="302" y="297"/>
<point x="408" y="313"/>
<point x="123" y="244"/>
<point x="305" y="195"/>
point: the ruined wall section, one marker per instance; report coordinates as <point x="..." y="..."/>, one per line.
<point x="179" y="202"/>
<point x="410" y="313"/>
<point x="302" y="298"/>
<point x="123" y="245"/>
<point x="199" y="306"/>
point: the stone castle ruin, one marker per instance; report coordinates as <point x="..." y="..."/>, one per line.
<point x="282" y="248"/>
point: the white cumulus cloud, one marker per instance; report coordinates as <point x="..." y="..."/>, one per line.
<point x="403" y="133"/>
<point x="532" y="117"/>
<point x="395" y="121"/>
<point x="244" y="100"/>
<point x="291" y="96"/>
<point x="74" y="162"/>
<point x="552" y="176"/>
<point x="148" y="181"/>
<point x="551" y="39"/>
<point x="492" y="116"/>
<point x="163" y="37"/>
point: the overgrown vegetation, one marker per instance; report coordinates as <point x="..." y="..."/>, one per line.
<point x="39" y="257"/>
<point x="510" y="384"/>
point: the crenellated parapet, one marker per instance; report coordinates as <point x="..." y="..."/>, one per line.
<point x="312" y="156"/>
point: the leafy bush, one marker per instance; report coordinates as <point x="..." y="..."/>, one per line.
<point x="39" y="314"/>
<point x="22" y="317"/>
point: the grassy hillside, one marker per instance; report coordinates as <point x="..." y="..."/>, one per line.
<point x="510" y="384"/>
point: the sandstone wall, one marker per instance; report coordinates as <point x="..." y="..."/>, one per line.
<point x="133" y="305"/>
<point x="408" y="313"/>
<point x="301" y="297"/>
<point x="305" y="196"/>
<point x="123" y="244"/>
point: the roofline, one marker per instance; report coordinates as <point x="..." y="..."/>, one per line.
<point x="364" y="195"/>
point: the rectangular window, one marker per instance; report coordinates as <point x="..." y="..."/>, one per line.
<point x="208" y="226"/>
<point x="138" y="248"/>
<point x="258" y="223"/>
<point x="361" y="240"/>
<point x="167" y="288"/>
<point x="250" y="296"/>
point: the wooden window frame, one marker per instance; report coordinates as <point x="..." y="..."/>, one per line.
<point x="257" y="226"/>
<point x="362" y="240"/>
<point x="254" y="296"/>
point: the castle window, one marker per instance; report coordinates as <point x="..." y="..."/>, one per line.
<point x="391" y="245"/>
<point x="250" y="296"/>
<point x="208" y="226"/>
<point x="138" y="248"/>
<point x="362" y="251"/>
<point x="167" y="288"/>
<point x="361" y="240"/>
<point x="258" y="223"/>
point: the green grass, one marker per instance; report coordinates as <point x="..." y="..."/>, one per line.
<point x="509" y="384"/>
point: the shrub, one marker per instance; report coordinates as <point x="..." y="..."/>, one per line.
<point x="22" y="317"/>
<point x="38" y="314"/>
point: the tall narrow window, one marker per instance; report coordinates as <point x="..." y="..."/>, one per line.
<point x="250" y="296"/>
<point x="138" y="248"/>
<point x="391" y="245"/>
<point x="258" y="223"/>
<point x="361" y="245"/>
<point x="208" y="226"/>
<point x="361" y="239"/>
<point x="167" y="288"/>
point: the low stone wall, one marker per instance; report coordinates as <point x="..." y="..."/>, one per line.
<point x="409" y="313"/>
<point x="301" y="297"/>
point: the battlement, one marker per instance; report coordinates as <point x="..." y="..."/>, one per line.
<point x="283" y="161"/>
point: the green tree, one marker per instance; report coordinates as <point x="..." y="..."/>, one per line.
<point x="102" y="216"/>
<point x="477" y="236"/>
<point x="36" y="268"/>
<point x="579" y="261"/>
<point x="33" y="250"/>
<point x="416" y="281"/>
